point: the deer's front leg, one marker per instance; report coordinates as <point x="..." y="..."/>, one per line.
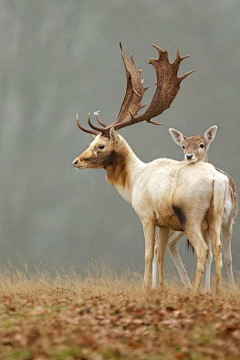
<point x="149" y="234"/>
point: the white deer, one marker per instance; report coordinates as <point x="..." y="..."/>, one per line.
<point x="165" y="193"/>
<point x="195" y="149"/>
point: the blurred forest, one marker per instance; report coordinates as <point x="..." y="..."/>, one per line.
<point x="60" y="57"/>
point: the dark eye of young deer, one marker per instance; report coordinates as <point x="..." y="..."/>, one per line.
<point x="201" y="146"/>
<point x="101" y="146"/>
<point x="183" y="147"/>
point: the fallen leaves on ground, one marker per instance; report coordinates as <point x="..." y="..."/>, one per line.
<point x="76" y="322"/>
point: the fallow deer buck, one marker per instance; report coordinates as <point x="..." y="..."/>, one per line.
<point x="165" y="193"/>
<point x="195" y="149"/>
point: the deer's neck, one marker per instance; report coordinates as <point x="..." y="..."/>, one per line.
<point x="206" y="159"/>
<point x="123" y="170"/>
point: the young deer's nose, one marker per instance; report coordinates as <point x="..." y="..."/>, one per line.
<point x="75" y="162"/>
<point x="189" y="156"/>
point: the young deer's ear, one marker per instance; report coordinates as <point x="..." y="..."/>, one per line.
<point x="210" y="134"/>
<point x="114" y="135"/>
<point x="177" y="136"/>
<point x="94" y="136"/>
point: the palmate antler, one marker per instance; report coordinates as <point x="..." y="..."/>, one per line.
<point x="167" y="86"/>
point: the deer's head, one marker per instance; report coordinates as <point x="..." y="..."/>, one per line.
<point x="100" y="152"/>
<point x="194" y="147"/>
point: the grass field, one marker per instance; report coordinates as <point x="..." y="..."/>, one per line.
<point x="105" y="316"/>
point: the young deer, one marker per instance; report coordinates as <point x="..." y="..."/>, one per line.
<point x="165" y="193"/>
<point x="195" y="149"/>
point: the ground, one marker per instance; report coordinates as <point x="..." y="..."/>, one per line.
<point x="105" y="316"/>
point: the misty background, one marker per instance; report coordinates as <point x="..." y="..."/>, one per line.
<point x="60" y="57"/>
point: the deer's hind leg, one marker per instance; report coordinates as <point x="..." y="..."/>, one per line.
<point x="214" y="232"/>
<point x="207" y="239"/>
<point x="155" y="262"/>
<point x="195" y="236"/>
<point x="227" y="252"/>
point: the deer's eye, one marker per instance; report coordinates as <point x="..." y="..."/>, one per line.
<point x="183" y="147"/>
<point x="101" y="146"/>
<point x="201" y="146"/>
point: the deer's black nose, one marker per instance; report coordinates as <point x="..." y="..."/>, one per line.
<point x="189" y="157"/>
<point x="75" y="162"/>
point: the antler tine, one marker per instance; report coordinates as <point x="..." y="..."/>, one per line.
<point x="85" y="130"/>
<point x="121" y="48"/>
<point x="184" y="57"/>
<point x="158" y="48"/>
<point x="153" y="122"/>
<point x="178" y="55"/>
<point x="161" y="53"/>
<point x="179" y="59"/>
<point x="181" y="78"/>
<point x="101" y="123"/>
<point x="92" y="125"/>
<point x="142" y="106"/>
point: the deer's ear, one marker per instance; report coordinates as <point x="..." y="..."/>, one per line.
<point x="177" y="136"/>
<point x="114" y="137"/>
<point x="210" y="134"/>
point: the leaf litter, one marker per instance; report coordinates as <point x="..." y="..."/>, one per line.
<point x="109" y="317"/>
